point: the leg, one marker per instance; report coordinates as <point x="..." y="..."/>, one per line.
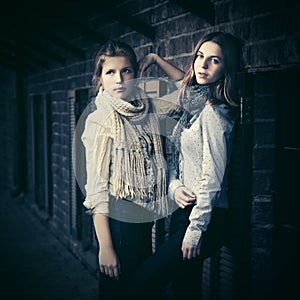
<point x="166" y="263"/>
<point x="188" y="281"/>
<point x="132" y="243"/>
<point x="151" y="278"/>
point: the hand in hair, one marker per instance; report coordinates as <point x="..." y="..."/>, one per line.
<point x="152" y="58"/>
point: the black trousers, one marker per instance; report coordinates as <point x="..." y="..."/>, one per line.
<point x="166" y="264"/>
<point x="132" y="243"/>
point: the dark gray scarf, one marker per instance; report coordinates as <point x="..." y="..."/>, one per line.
<point x="193" y="104"/>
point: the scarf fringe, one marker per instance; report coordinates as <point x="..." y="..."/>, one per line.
<point x="135" y="186"/>
<point x="129" y="179"/>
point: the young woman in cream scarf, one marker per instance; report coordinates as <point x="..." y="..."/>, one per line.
<point x="126" y="173"/>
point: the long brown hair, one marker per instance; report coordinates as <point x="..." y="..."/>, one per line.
<point x="113" y="48"/>
<point x="224" y="90"/>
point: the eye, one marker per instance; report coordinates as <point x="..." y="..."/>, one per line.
<point x="109" y="72"/>
<point x="199" y="54"/>
<point x="127" y="71"/>
<point x="215" y="61"/>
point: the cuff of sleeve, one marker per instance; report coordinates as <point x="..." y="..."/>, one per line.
<point x="96" y="204"/>
<point x="173" y="186"/>
<point x="192" y="237"/>
<point x="178" y="83"/>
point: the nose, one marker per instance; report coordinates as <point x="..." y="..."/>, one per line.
<point x="204" y="64"/>
<point x="118" y="77"/>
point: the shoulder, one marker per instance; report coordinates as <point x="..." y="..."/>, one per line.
<point x="101" y="116"/>
<point x="98" y="122"/>
<point x="217" y="115"/>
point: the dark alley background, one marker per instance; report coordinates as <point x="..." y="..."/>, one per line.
<point x="34" y="264"/>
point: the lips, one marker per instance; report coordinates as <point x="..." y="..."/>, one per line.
<point x="120" y="90"/>
<point x="202" y="75"/>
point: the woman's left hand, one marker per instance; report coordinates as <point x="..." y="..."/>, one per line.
<point x="184" y="197"/>
<point x="189" y="251"/>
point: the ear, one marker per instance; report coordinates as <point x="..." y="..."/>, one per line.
<point x="100" y="82"/>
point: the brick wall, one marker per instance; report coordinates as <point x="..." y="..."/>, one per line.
<point x="263" y="187"/>
<point x="7" y="127"/>
<point x="61" y="162"/>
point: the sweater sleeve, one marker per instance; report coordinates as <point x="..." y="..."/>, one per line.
<point x="97" y="191"/>
<point x="174" y="182"/>
<point x="213" y="169"/>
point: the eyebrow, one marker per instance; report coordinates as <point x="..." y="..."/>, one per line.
<point x="211" y="56"/>
<point x="126" y="67"/>
<point x="112" y="69"/>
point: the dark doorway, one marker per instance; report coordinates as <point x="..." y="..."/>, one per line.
<point x="42" y="152"/>
<point x="287" y="200"/>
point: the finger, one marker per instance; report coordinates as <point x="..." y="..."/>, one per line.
<point x="102" y="269"/>
<point x="142" y="69"/>
<point x="194" y="252"/>
<point x="140" y="73"/>
<point x="188" y="251"/>
<point x="180" y="204"/>
<point x="187" y="192"/>
<point x="188" y="202"/>
<point x="111" y="272"/>
<point x="186" y="198"/>
<point x="189" y="197"/>
<point x="107" y="271"/>
<point x="116" y="272"/>
<point x="185" y="252"/>
<point x="189" y="254"/>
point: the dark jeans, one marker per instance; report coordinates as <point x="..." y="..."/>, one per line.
<point x="132" y="243"/>
<point x="166" y="264"/>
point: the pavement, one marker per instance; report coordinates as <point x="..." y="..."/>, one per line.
<point x="34" y="264"/>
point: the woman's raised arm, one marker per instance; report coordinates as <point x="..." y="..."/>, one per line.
<point x="172" y="71"/>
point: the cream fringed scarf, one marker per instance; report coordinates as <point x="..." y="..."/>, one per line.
<point x="138" y="168"/>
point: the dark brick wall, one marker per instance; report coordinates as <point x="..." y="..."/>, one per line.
<point x="7" y="127"/>
<point x="61" y="162"/>
<point x="264" y="145"/>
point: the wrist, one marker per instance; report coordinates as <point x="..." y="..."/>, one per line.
<point x="105" y="244"/>
<point x="173" y="186"/>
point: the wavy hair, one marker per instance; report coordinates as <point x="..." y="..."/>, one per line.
<point x="224" y="90"/>
<point x="109" y="49"/>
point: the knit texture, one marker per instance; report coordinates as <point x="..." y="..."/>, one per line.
<point x="139" y="170"/>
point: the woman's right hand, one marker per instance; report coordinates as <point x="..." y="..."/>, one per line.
<point x="146" y="62"/>
<point x="109" y="262"/>
<point x="184" y="197"/>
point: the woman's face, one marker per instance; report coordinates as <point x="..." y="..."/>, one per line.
<point x="209" y="63"/>
<point x="117" y="76"/>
